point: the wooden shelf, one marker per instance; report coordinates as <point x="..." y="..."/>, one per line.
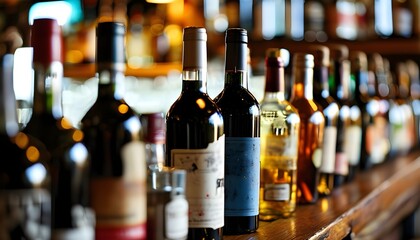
<point x="84" y="71"/>
<point x="368" y="208"/>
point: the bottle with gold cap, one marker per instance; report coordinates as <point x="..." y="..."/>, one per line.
<point x="311" y="128"/>
<point x="280" y="125"/>
<point x="69" y="157"/>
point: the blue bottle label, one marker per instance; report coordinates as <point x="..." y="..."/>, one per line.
<point x="242" y="176"/>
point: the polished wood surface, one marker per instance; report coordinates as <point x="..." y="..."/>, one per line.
<point x="367" y="208"/>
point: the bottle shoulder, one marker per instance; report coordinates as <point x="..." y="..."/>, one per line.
<point x="191" y="104"/>
<point x="235" y="97"/>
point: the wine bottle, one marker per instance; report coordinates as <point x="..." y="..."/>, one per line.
<point x="359" y="71"/>
<point x="195" y="141"/>
<point x="113" y="136"/>
<point x="311" y="128"/>
<point x="340" y="89"/>
<point x="331" y="110"/>
<point x="69" y="163"/>
<point x="25" y="199"/>
<point x="241" y="118"/>
<point x="377" y="127"/>
<point x="280" y="124"/>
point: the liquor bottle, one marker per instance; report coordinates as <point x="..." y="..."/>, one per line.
<point x="280" y="124"/>
<point x="349" y="137"/>
<point x="113" y="136"/>
<point x="69" y="163"/>
<point x="359" y="94"/>
<point x="413" y="71"/>
<point x="315" y="21"/>
<point x="195" y="141"/>
<point x="24" y="174"/>
<point x="311" y="128"/>
<point x="377" y="125"/>
<point x="167" y="208"/>
<point x="401" y="115"/>
<point x="241" y="121"/>
<point x="331" y="110"/>
<point x="402" y="18"/>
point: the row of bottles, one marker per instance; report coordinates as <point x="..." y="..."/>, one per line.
<point x="210" y="166"/>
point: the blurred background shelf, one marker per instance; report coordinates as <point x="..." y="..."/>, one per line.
<point x="371" y="207"/>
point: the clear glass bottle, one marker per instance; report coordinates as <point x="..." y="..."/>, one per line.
<point x="167" y="208"/>
<point x="331" y="110"/>
<point x="113" y="136"/>
<point x="311" y="128"/>
<point x="280" y="124"/>
<point x="25" y="199"/>
<point x="69" y="163"/>
<point x="241" y="118"/>
<point x="154" y="130"/>
<point x="195" y="141"/>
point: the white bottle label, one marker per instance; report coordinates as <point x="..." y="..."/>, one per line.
<point x="352" y="144"/>
<point x="277" y="192"/>
<point x="328" y="151"/>
<point x="176" y="219"/>
<point x="205" y="183"/>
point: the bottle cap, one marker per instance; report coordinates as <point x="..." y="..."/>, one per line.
<point x="303" y="60"/>
<point x="46" y="41"/>
<point x="339" y="52"/>
<point x="359" y="60"/>
<point x="236" y="40"/>
<point x="274" y="58"/>
<point x="194" y="48"/>
<point x="321" y="55"/>
<point x="110" y="39"/>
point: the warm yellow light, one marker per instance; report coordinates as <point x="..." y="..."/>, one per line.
<point x="65" y="123"/>
<point x="77" y="135"/>
<point x="21" y="140"/>
<point x="74" y="56"/>
<point x="32" y="153"/>
<point x="123" y="108"/>
<point x="201" y="104"/>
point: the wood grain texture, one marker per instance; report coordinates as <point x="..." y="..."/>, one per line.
<point x="367" y="208"/>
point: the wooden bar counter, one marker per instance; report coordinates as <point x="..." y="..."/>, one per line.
<point x="367" y="208"/>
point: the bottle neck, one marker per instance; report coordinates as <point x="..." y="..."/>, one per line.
<point x="274" y="80"/>
<point x="48" y="89"/>
<point x="342" y="80"/>
<point x="236" y="79"/>
<point x="194" y="80"/>
<point x="303" y="83"/>
<point x="236" y="64"/>
<point x="8" y="115"/>
<point x="320" y="84"/>
<point x="111" y="82"/>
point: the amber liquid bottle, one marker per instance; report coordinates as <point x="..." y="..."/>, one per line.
<point x="241" y="118"/>
<point x="331" y="110"/>
<point x="195" y="141"/>
<point x="112" y="135"/>
<point x="24" y="174"/>
<point x="69" y="157"/>
<point x="280" y="125"/>
<point x="311" y="128"/>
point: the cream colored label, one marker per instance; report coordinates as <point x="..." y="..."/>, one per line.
<point x="277" y="192"/>
<point x="328" y="150"/>
<point x="352" y="144"/>
<point x="205" y="183"/>
<point x="176" y="219"/>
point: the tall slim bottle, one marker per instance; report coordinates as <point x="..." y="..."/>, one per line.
<point x="331" y="110"/>
<point x="241" y="118"/>
<point x="25" y="175"/>
<point x="112" y="135"/>
<point x="359" y="71"/>
<point x="69" y="157"/>
<point x="349" y="116"/>
<point x="311" y="128"/>
<point x="195" y="140"/>
<point x="280" y="125"/>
